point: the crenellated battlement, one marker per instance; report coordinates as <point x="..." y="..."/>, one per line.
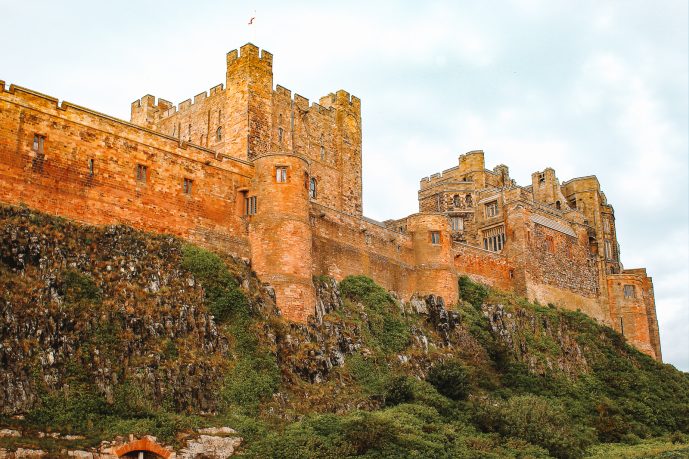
<point x="249" y="52"/>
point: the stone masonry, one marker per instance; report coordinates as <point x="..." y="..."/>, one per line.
<point x="251" y="169"/>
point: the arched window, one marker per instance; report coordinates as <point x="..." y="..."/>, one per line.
<point x="218" y="134"/>
<point x="312" y="188"/>
<point x="468" y="200"/>
<point x="455" y="200"/>
<point x="558" y="205"/>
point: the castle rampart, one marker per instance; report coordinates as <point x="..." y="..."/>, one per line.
<point x="259" y="172"/>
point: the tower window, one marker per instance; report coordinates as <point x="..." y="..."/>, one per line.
<point x="37" y="164"/>
<point x="38" y="143"/>
<point x="91" y="167"/>
<point x="606" y="224"/>
<point x="608" y="250"/>
<point x="629" y="291"/>
<point x="491" y="209"/>
<point x="541" y="177"/>
<point x="312" y="188"/>
<point x="141" y="172"/>
<point x="558" y="206"/>
<point x="186" y="186"/>
<point x="494" y="239"/>
<point x="435" y="237"/>
<point x="250" y="205"/>
<point x="280" y="133"/>
<point x="218" y="134"/>
<point x="281" y="174"/>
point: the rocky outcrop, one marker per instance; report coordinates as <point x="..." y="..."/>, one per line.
<point x="541" y="342"/>
<point x="103" y="307"/>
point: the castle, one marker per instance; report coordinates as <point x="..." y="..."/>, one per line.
<point x="251" y="169"/>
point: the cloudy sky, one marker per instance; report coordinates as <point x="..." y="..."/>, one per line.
<point x="586" y="87"/>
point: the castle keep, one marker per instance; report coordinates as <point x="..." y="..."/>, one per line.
<point x="251" y="169"/>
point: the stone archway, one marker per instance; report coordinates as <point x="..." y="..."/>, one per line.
<point x="144" y="448"/>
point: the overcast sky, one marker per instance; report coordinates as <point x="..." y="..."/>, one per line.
<point x="586" y="87"/>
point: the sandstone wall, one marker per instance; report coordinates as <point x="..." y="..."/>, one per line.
<point x="345" y="245"/>
<point x="60" y="181"/>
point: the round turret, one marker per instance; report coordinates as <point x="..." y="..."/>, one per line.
<point x="280" y="234"/>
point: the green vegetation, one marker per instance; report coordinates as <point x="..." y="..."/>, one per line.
<point x="372" y="380"/>
<point x="451" y="379"/>
<point x="223" y="297"/>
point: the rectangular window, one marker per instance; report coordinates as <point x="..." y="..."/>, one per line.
<point x="629" y="291"/>
<point x="141" y="172"/>
<point x="435" y="237"/>
<point x="37" y="163"/>
<point x="457" y="223"/>
<point x="494" y="239"/>
<point x="38" y="141"/>
<point x="606" y="224"/>
<point x="187" y="185"/>
<point x="250" y="205"/>
<point x="491" y="209"/>
<point x="91" y="167"/>
<point x="281" y="174"/>
<point x="608" y="250"/>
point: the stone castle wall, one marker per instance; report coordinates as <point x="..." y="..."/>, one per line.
<point x="193" y="170"/>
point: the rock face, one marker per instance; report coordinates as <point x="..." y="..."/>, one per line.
<point x="102" y="306"/>
<point x="519" y="329"/>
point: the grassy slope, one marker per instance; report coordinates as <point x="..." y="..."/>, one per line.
<point x="392" y="397"/>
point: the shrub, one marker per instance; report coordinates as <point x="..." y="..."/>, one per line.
<point x="77" y="287"/>
<point x="365" y="290"/>
<point x="472" y="292"/>
<point x="677" y="437"/>
<point x="450" y="379"/>
<point x="223" y="296"/>
<point x="538" y="420"/>
<point x="398" y="389"/>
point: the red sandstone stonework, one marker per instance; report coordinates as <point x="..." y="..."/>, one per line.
<point x="206" y="170"/>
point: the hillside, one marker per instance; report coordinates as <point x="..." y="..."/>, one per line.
<point x="107" y="331"/>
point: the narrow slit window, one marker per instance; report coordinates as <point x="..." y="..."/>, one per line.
<point x="250" y="205"/>
<point x="218" y="134"/>
<point x="141" y="172"/>
<point x="281" y="174"/>
<point x="280" y="133"/>
<point x="312" y="188"/>
<point x="187" y="185"/>
<point x="92" y="170"/>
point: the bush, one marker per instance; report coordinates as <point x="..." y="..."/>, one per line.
<point x="450" y="379"/>
<point x="223" y="296"/>
<point x="76" y="287"/>
<point x="538" y="420"/>
<point x="398" y="389"/>
<point x="389" y="330"/>
<point x="472" y="292"/>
